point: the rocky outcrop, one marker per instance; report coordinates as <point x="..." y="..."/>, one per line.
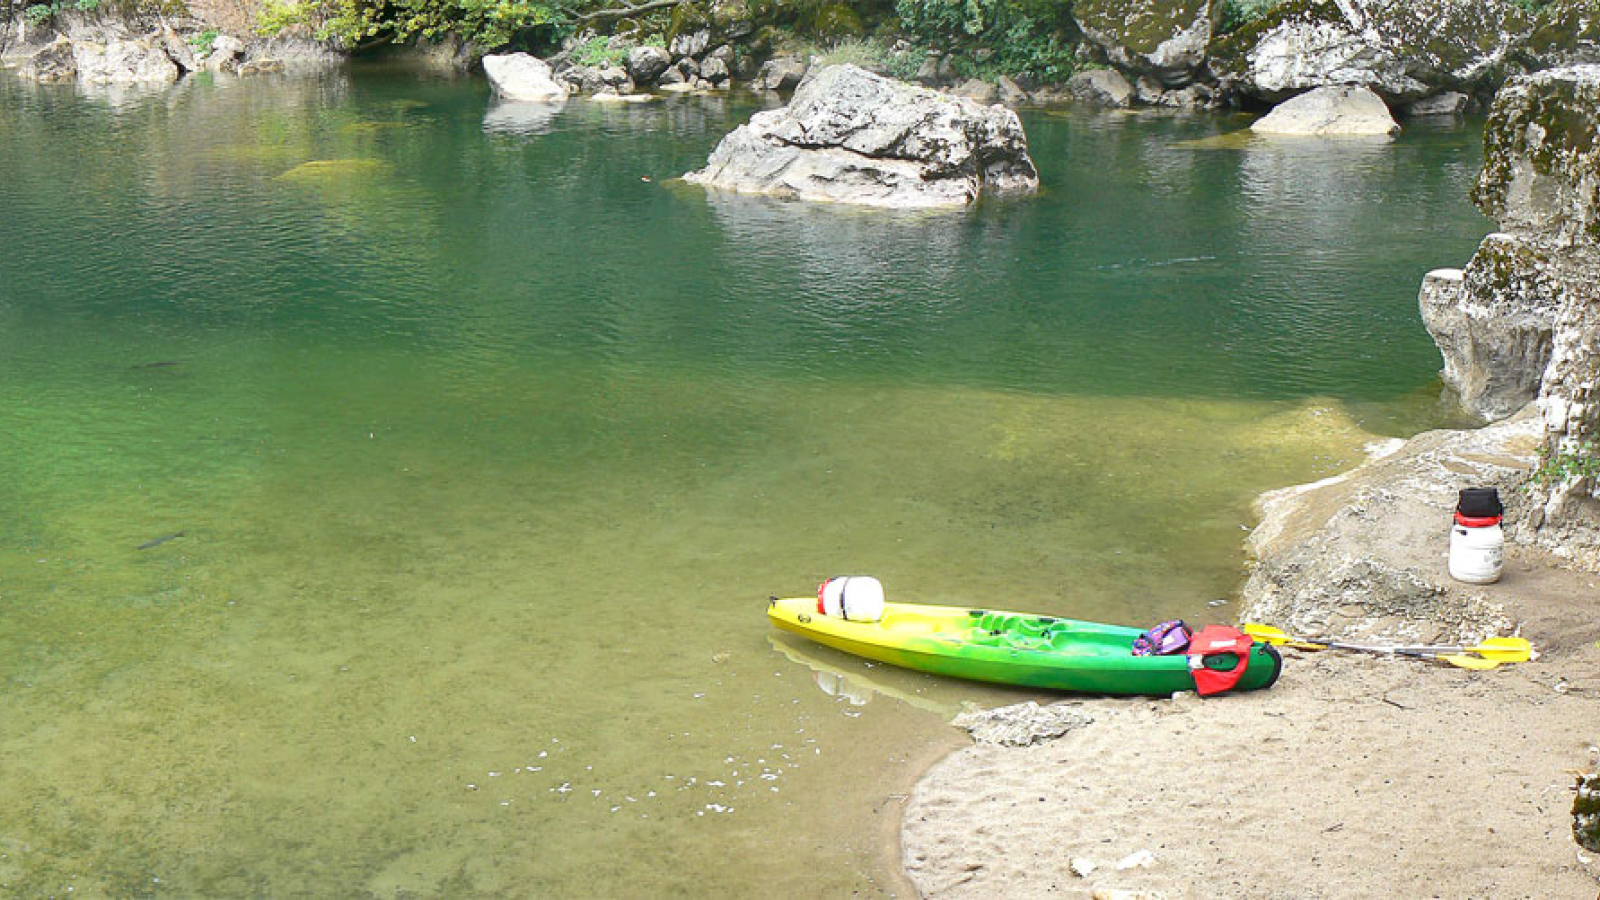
<point x="446" y="55"/>
<point x="522" y="78"/>
<point x="1363" y="555"/>
<point x="1449" y="103"/>
<point x="1102" y="87"/>
<point x="1401" y="49"/>
<point x="124" y="61"/>
<point x="1330" y="111"/>
<point x="1165" y="39"/>
<point x="781" y="73"/>
<point x="645" y="64"/>
<point x="51" y="64"/>
<point x="103" y="56"/>
<point x="135" y="51"/>
<point x="850" y="136"/>
<point x="1565" y="33"/>
<point x="1522" y="320"/>
<point x="1494" y="323"/>
<point x="1541" y="170"/>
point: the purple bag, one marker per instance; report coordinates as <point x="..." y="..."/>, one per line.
<point x="1163" y="640"/>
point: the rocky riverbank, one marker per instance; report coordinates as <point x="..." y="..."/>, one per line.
<point x="1419" y="58"/>
<point x="1359" y="776"/>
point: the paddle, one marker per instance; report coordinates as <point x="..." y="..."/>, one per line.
<point x="1492" y="652"/>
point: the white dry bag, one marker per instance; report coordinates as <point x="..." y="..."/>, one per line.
<point x="858" y="598"/>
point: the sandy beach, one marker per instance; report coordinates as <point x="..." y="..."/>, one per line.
<point x="1355" y="776"/>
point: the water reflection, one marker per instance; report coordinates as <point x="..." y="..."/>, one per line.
<point x="124" y="97"/>
<point x="845" y="248"/>
<point x="855" y="682"/>
<point x="521" y="117"/>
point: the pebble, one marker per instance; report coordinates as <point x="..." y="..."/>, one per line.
<point x="1083" y="867"/>
<point x="1136" y="860"/>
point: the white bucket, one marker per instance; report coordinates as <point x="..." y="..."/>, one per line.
<point x="1476" y="553"/>
<point x="858" y="598"/>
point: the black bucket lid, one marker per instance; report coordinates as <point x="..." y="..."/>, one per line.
<point x="1479" y="503"/>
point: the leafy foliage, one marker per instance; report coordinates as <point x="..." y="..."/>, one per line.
<point x="39" y="13"/>
<point x="996" y="37"/>
<point x="874" y="54"/>
<point x="1238" y="13"/>
<point x="597" y="51"/>
<point x="202" y="42"/>
<point x="1557" y="466"/>
<point x="492" y="23"/>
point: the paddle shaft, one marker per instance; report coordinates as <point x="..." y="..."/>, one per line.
<point x="1498" y="649"/>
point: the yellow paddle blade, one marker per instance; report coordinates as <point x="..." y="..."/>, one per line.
<point x="1504" y="649"/>
<point x="1271" y="635"/>
<point x="1462" y="660"/>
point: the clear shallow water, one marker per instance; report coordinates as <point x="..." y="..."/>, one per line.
<point x="485" y="453"/>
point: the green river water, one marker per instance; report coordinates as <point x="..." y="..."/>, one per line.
<point x="485" y="442"/>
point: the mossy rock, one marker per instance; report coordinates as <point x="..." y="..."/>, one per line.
<point x="1143" y="25"/>
<point x="1462" y="44"/>
<point x="1541" y="170"/>
<point x="1586" y="813"/>
<point x="1228" y="53"/>
<point x="724" y="15"/>
<point x="1566" y="31"/>
<point x="687" y="18"/>
<point x="835" y="20"/>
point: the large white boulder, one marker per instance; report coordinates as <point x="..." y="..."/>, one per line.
<point x="1330" y="111"/>
<point x="518" y="76"/>
<point x="851" y="136"/>
<point x="130" y="61"/>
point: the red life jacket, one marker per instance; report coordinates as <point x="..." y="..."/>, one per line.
<point x="1215" y="640"/>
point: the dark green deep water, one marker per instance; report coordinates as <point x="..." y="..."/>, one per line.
<point x="485" y="451"/>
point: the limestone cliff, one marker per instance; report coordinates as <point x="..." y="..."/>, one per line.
<point x="1521" y="322"/>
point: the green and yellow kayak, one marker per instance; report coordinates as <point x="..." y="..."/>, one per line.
<point x="1020" y="649"/>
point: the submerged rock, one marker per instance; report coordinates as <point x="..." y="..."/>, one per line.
<point x="850" y="136"/>
<point x="519" y="76"/>
<point x="1330" y="111"/>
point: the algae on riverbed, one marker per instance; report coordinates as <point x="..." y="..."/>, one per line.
<point x="486" y="462"/>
